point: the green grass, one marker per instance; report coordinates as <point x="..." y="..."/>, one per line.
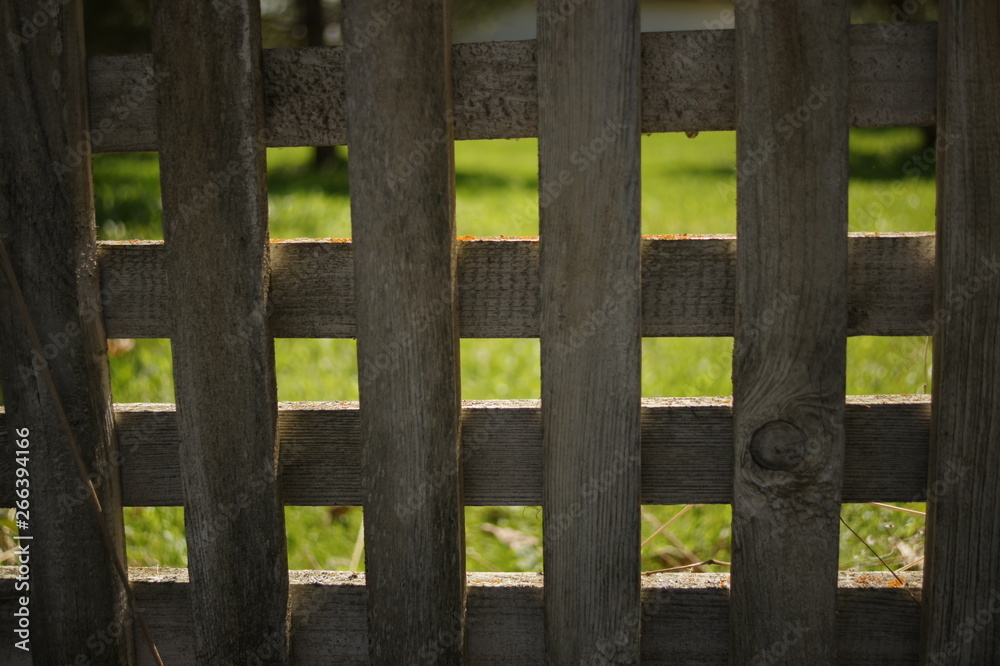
<point x="688" y="187"/>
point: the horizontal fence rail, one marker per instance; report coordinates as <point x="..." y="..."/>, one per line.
<point x="687" y="446"/>
<point x="688" y="287"/>
<point x="687" y="84"/>
<point x="685" y="617"/>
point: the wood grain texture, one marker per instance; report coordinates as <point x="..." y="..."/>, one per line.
<point x="402" y="177"/>
<point x="789" y="367"/>
<point x="688" y="83"/>
<point x="590" y="325"/>
<point x="688" y="287"/>
<point x="963" y="520"/>
<point x="687" y="451"/>
<point x="685" y="618"/>
<point x="47" y="228"/>
<point x="213" y="173"/>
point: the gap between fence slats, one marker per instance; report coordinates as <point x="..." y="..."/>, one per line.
<point x="214" y="183"/>
<point x="399" y="101"/>
<point x="963" y="520"/>
<point x="789" y="369"/>
<point x="687" y="85"/>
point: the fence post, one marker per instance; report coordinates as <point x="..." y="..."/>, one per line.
<point x="399" y="115"/>
<point x="791" y="327"/>
<point x="210" y="109"/>
<point x="588" y="86"/>
<point x="47" y="226"/>
<point x="961" y="620"/>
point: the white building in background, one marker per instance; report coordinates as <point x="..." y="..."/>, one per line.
<point x="657" y="16"/>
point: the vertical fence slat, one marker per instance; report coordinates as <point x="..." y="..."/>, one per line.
<point x="789" y="363"/>
<point x="47" y="225"/>
<point x="588" y="81"/>
<point x="212" y="160"/>
<point x="399" y="101"/>
<point x="962" y="585"/>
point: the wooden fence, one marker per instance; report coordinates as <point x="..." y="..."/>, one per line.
<point x="790" y="79"/>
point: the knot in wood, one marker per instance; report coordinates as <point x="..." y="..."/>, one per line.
<point x="779" y="446"/>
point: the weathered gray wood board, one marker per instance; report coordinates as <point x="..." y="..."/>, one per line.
<point x="47" y="227"/>
<point x="687" y="446"/>
<point x="211" y="115"/>
<point x="687" y="84"/>
<point x="963" y="521"/>
<point x="685" y="618"/>
<point x="589" y="277"/>
<point x="398" y="83"/>
<point x="688" y="287"/>
<point x="789" y="372"/>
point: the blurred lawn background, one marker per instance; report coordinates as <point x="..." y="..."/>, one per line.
<point x="688" y="188"/>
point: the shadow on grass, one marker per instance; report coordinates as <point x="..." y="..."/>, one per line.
<point x="720" y="172"/>
<point x="334" y="180"/>
<point x="288" y="179"/>
<point x="873" y="161"/>
<point x="479" y="181"/>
